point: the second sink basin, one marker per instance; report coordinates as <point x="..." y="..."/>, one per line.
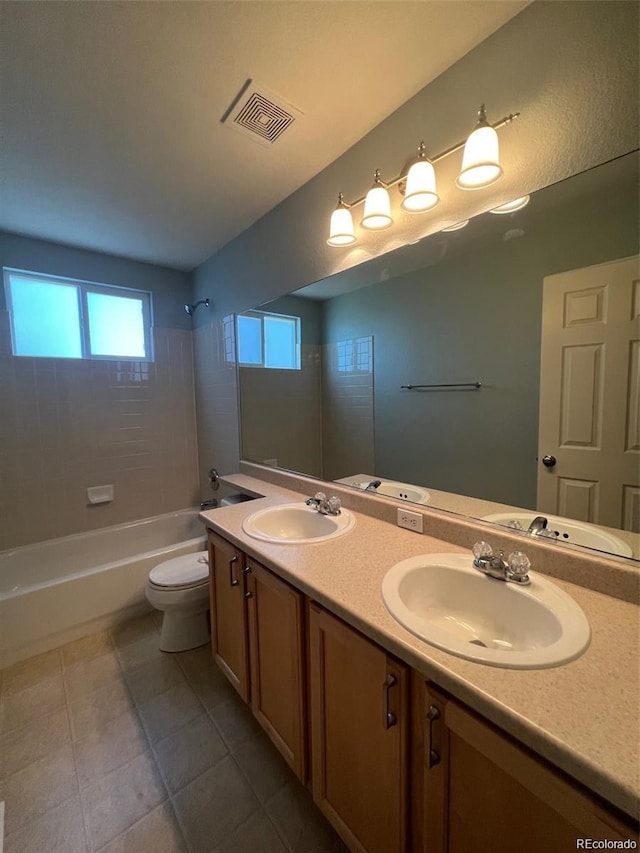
<point x="442" y="599"/>
<point x="297" y="524"/>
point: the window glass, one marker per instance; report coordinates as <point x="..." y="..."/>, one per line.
<point x="116" y="325"/>
<point x="249" y="340"/>
<point x="269" y="340"/>
<point x="45" y="318"/>
<point x="279" y="342"/>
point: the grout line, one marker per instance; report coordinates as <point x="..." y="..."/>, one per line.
<point x="85" y="828"/>
<point x="1" y="825"/>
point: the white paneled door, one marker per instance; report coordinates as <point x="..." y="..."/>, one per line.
<point x="589" y="431"/>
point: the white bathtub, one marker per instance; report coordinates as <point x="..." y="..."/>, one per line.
<point x="56" y="591"/>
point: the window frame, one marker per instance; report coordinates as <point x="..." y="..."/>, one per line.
<point x="84" y="287"/>
<point x="260" y="315"/>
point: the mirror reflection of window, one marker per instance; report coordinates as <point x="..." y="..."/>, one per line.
<point x="268" y="340"/>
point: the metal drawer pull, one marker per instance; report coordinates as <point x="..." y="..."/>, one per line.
<point x="248" y="594"/>
<point x="233" y="580"/>
<point x="246" y="570"/>
<point x="433" y="756"/>
<point x="390" y="718"/>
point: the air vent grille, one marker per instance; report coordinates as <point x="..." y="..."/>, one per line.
<point x="260" y="114"/>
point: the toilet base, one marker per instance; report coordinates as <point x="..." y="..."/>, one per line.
<point x="184" y="631"/>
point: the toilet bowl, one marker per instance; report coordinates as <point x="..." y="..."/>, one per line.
<point x="180" y="589"/>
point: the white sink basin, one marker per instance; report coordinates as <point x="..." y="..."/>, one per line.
<point x="443" y="600"/>
<point x="569" y="530"/>
<point x="389" y="488"/>
<point x="297" y="524"/>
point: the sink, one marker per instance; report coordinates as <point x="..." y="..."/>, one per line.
<point x="297" y="524"/>
<point x="443" y="600"/>
<point x="389" y="488"/>
<point x="569" y="530"/>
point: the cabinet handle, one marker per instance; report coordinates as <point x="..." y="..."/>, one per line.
<point x="248" y="594"/>
<point x="232" y="579"/>
<point x="246" y="570"/>
<point x="390" y="718"/>
<point x="433" y="756"/>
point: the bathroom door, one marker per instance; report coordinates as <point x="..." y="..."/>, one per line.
<point x="590" y="395"/>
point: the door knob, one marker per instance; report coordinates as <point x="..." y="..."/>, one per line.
<point x="549" y="461"/>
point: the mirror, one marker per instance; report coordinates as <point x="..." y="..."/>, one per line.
<point x="475" y="310"/>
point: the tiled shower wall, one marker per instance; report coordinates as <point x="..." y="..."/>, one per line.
<point x="68" y="424"/>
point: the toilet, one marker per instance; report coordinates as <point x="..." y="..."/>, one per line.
<point x="180" y="589"/>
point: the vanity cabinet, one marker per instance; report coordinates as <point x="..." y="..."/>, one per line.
<point x="359" y="735"/>
<point x="484" y="792"/>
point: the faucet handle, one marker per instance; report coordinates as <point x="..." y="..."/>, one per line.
<point x="482" y="549"/>
<point x="519" y="565"/>
<point x="334" y="504"/>
<point x="320" y="496"/>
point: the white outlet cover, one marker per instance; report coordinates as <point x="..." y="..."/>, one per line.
<point x="410" y="520"/>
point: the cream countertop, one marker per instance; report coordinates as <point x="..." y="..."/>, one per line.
<point x="584" y="717"/>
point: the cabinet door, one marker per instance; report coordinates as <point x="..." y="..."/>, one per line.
<point x="484" y="792"/>
<point x="358" y="709"/>
<point x="228" y="612"/>
<point x="276" y="643"/>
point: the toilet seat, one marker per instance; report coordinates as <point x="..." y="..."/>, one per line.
<point x="185" y="572"/>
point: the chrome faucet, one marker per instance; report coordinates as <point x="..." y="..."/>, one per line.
<point x="538" y="524"/>
<point x="373" y="485"/>
<point x="324" y="506"/>
<point x="515" y="569"/>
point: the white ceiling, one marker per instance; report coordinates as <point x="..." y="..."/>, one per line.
<point x="111" y="132"/>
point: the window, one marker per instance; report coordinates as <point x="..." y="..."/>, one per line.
<point x="268" y="340"/>
<point x="63" y="318"/>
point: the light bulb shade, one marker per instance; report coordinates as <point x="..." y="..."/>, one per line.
<point x="457" y="226"/>
<point x="512" y="206"/>
<point x="420" y="192"/>
<point x="377" y="209"/>
<point x="480" y="160"/>
<point x="341" y="231"/>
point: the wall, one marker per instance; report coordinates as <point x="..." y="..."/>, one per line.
<point x="67" y="424"/>
<point x="571" y="68"/>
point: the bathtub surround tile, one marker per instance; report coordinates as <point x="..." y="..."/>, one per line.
<point x="266" y="771"/>
<point x="86" y="648"/>
<point x="22" y="709"/>
<point x="94" y="710"/>
<point x="234" y="721"/>
<point x="157" y="832"/>
<point x="189" y="752"/>
<point x="120" y="799"/>
<point x="257" y="834"/>
<point x="21" y="747"/>
<point x="42" y="785"/>
<point x="60" y="830"/>
<point x="30" y="672"/>
<point x="214" y="805"/>
<point x="301" y="824"/>
<point x="170" y="711"/>
<point x="154" y="678"/>
<point x="87" y="676"/>
<point x="109" y="747"/>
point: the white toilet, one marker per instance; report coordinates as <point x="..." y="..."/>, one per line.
<point x="180" y="588"/>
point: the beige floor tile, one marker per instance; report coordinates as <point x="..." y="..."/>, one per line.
<point x="214" y="805"/>
<point x="235" y="721"/>
<point x="157" y="832"/>
<point x="86" y="648"/>
<point x="134" y="630"/>
<point x="120" y="799"/>
<point x="22" y="709"/>
<point x="257" y="835"/>
<point x="211" y="686"/>
<point x="23" y="746"/>
<point x="95" y="709"/>
<point x="301" y="824"/>
<point x="187" y="753"/>
<point x="170" y="711"/>
<point x="60" y="830"/>
<point x="87" y="676"/>
<point x="196" y="660"/>
<point x="154" y="678"/>
<point x="29" y="672"/>
<point x="143" y="651"/>
<point x="110" y="746"/>
<point x="39" y="787"/>
<point x="266" y="770"/>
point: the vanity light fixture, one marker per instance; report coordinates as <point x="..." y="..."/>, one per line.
<point x="512" y="206"/>
<point x="417" y="182"/>
<point x="457" y="226"/>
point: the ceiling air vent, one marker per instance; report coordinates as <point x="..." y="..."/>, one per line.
<point x="260" y="114"/>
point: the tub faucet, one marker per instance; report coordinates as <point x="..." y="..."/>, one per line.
<point x="538" y="524"/>
<point x="324" y="506"/>
<point x="373" y="485"/>
<point x="210" y="503"/>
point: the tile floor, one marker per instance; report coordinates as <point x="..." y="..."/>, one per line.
<point x="108" y="744"/>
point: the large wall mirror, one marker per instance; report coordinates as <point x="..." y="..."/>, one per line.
<point x="520" y="337"/>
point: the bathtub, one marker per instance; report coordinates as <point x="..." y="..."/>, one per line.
<point x="56" y="591"/>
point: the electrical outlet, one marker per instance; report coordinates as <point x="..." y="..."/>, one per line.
<point x="410" y="520"/>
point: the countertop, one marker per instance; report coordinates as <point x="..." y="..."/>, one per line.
<point x="584" y="717"/>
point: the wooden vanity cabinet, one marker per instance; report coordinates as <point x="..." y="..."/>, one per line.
<point x="359" y="735"/>
<point x="484" y="792"/>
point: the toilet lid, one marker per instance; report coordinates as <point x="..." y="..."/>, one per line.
<point x="187" y="570"/>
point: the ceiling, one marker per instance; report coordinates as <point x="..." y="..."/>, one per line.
<point x="111" y="111"/>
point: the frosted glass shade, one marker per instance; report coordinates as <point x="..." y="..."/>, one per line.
<point x="377" y="209"/>
<point x="457" y="226"/>
<point x="480" y="160"/>
<point x="420" y="193"/>
<point x="341" y="231"/>
<point x="511" y="206"/>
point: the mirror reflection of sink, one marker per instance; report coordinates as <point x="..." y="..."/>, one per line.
<point x="389" y="488"/>
<point x="568" y="529"/>
<point x="443" y="600"/>
<point x="297" y="524"/>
